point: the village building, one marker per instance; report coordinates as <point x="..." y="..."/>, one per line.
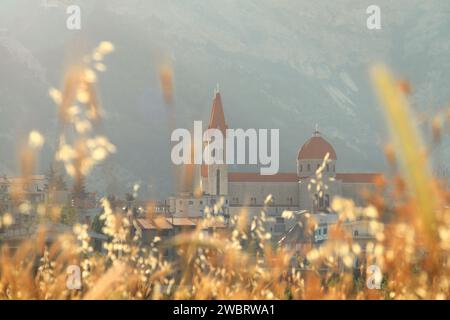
<point x="227" y="193"/>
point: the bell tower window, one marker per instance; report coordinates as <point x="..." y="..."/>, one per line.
<point x="218" y="182"/>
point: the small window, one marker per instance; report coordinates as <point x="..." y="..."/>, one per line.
<point x="356" y="233"/>
<point x="201" y="202"/>
<point x="327" y="200"/>
<point x="309" y="167"/>
<point x="328" y="168"/>
<point x="301" y="168"/>
<point x="191" y="202"/>
<point x="325" y="230"/>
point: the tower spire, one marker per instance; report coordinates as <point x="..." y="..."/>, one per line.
<point x="217" y="118"/>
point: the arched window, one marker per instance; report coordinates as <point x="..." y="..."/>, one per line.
<point x="218" y="182"/>
<point x="290" y="201"/>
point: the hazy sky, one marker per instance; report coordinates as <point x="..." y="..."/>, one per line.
<point x="280" y="64"/>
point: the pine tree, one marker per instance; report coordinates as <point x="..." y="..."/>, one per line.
<point x="79" y="191"/>
<point x="98" y="224"/>
<point x="69" y="215"/>
<point x="55" y="180"/>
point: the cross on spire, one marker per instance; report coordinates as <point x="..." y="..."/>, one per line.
<point x="216" y="90"/>
<point x="316" y="130"/>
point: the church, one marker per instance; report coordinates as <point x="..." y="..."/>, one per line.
<point x="229" y="193"/>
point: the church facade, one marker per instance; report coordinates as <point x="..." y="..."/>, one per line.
<point x="230" y="193"/>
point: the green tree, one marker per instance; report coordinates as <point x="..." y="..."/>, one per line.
<point x="69" y="215"/>
<point x="79" y="194"/>
<point x="55" y="180"/>
<point x="98" y="224"/>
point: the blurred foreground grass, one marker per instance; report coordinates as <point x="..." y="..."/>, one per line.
<point x="411" y="250"/>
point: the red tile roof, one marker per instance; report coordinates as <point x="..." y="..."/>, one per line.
<point x="161" y="223"/>
<point x="358" y="177"/>
<point x="178" y="221"/>
<point x="256" y="177"/>
<point x="292" y="177"/>
<point x="145" y="224"/>
<point x="316" y="148"/>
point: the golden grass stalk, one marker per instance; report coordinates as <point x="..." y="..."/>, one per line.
<point x="105" y="285"/>
<point x="409" y="148"/>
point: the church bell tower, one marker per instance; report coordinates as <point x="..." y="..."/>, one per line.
<point x="215" y="176"/>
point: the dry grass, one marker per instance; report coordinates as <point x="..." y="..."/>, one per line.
<point x="411" y="250"/>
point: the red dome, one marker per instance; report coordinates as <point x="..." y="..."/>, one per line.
<point x="316" y="148"/>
